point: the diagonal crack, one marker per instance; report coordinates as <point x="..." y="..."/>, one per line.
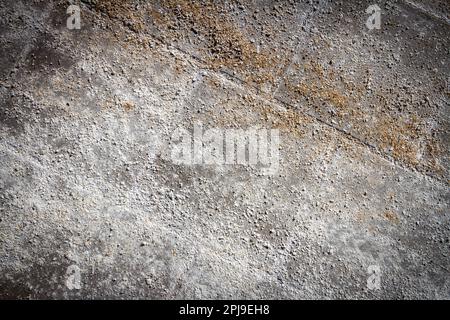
<point x="255" y="90"/>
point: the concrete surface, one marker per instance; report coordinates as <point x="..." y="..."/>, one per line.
<point x="92" y="204"/>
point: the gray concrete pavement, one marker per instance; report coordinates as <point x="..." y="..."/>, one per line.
<point x="94" y="205"/>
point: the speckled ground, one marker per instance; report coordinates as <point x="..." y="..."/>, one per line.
<point x="92" y="204"/>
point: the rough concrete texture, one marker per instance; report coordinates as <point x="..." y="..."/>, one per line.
<point x="92" y="205"/>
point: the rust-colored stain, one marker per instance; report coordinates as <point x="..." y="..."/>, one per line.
<point x="391" y="216"/>
<point x="128" y="106"/>
<point x="248" y="111"/>
<point x="404" y="138"/>
<point x="123" y="11"/>
<point x="223" y="43"/>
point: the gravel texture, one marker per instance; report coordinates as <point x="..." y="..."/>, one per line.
<point x="92" y="204"/>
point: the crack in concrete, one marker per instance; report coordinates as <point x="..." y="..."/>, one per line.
<point x="235" y="79"/>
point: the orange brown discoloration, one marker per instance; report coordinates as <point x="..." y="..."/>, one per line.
<point x="391" y="216"/>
